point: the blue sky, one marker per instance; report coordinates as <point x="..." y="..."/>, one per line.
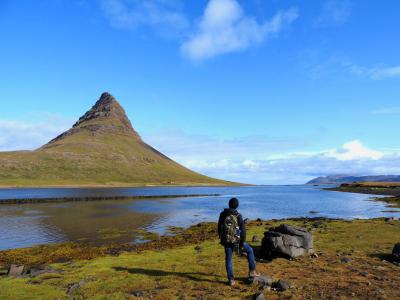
<point x="260" y="91"/>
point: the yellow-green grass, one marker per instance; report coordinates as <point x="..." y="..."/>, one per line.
<point x="182" y="270"/>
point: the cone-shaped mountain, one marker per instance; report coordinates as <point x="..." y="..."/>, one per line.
<point x="101" y="148"/>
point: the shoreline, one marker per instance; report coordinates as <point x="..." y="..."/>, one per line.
<point x="388" y="192"/>
<point x="191" y="234"/>
<point x="191" y="263"/>
<point x="96" y="198"/>
<point x="117" y="186"/>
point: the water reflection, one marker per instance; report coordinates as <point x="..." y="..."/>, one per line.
<point x="118" y="220"/>
<point x="91" y="222"/>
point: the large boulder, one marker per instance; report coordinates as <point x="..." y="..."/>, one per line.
<point x="286" y="240"/>
<point x="396" y="253"/>
<point x="16" y="270"/>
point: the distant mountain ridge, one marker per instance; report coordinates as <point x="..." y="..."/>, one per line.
<point x="102" y="148"/>
<point x="339" y="179"/>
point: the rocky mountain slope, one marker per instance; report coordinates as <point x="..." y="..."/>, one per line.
<point x="102" y="148"/>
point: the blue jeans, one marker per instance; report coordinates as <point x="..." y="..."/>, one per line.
<point x="229" y="248"/>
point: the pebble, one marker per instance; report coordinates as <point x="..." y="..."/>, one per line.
<point x="346" y="260"/>
<point x="73" y="287"/>
<point x="282" y="285"/>
<point x="259" y="296"/>
<point x="262" y="281"/>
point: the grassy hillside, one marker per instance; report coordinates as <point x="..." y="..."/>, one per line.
<point x="101" y="149"/>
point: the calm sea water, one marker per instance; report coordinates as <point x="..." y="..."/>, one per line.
<point x="121" y="220"/>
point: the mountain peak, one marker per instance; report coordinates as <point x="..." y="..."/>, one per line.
<point x="105" y="117"/>
<point x="107" y="107"/>
<point x="106" y="98"/>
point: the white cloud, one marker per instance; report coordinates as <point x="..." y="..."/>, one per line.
<point x="224" y="28"/>
<point x="387" y="111"/>
<point x="353" y="150"/>
<point x="319" y="67"/>
<point x="22" y="135"/>
<point x="164" y="16"/>
<point x="264" y="160"/>
<point x="378" y="73"/>
<point x="186" y="147"/>
<point x="334" y="12"/>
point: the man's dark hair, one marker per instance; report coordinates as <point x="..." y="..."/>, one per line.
<point x="233" y="203"/>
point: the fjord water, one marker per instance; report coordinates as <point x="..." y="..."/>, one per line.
<point x="121" y="220"/>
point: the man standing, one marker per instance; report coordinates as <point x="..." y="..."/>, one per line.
<point x="232" y="232"/>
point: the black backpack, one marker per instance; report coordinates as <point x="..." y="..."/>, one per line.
<point x="230" y="229"/>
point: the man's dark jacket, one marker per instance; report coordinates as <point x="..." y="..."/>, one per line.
<point x="226" y="212"/>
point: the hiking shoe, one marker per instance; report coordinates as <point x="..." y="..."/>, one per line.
<point x="254" y="273"/>
<point x="231" y="282"/>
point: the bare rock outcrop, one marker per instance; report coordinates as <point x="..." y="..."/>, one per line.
<point x="286" y="240"/>
<point x="105" y="117"/>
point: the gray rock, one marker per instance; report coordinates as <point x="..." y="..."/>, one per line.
<point x="16" y="271"/>
<point x="286" y="240"/>
<point x="261" y="281"/>
<point x="364" y="273"/>
<point x="318" y="224"/>
<point x="72" y="288"/>
<point x="33" y="272"/>
<point x="259" y="296"/>
<point x="346" y="260"/>
<point x="282" y="285"/>
<point x="255" y="238"/>
<point x="396" y="253"/>
<point x="140" y="294"/>
<point x="75" y="286"/>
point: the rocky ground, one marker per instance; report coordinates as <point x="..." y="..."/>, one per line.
<point x="352" y="260"/>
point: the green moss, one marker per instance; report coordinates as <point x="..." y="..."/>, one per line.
<point x="20" y="289"/>
<point x="180" y="269"/>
